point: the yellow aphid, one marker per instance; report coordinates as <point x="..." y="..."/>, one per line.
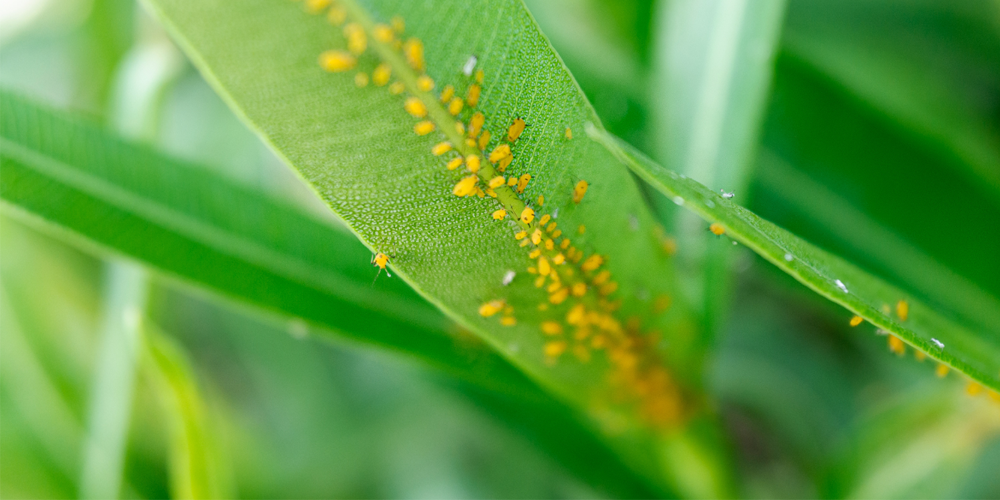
<point x="396" y="88"/>
<point x="558" y="259"/>
<point x="532" y="270"/>
<point x="398" y="24"/>
<point x="527" y="215"/>
<point x="560" y="296"/>
<point x="476" y="124"/>
<point x="441" y="148"/>
<point x="473" y="163"/>
<point x="550" y="227"/>
<point x="569" y="133"/>
<point x="855" y="321"/>
<point x="415" y="107"/>
<point x="460" y="128"/>
<point x="515" y="130"/>
<point x="512" y="181"/>
<point x="973" y="389"/>
<point x="470" y="142"/>
<point x="447" y="93"/>
<point x="499" y="214"/>
<point x="903" y="309"/>
<point x="508" y="321"/>
<point x="565" y="244"/>
<point x="896" y="345"/>
<point x="336" y="61"/>
<point x="466" y="186"/>
<point x="576" y="315"/>
<point x="557" y="233"/>
<point x="582" y="229"/>
<point x="554" y="349"/>
<point x="383" y="33"/>
<point x="524" y="243"/>
<point x="521" y="235"/>
<point x="539" y="281"/>
<point x="536" y="236"/>
<point x="592" y="262"/>
<point x="381" y="74"/>
<point x="505" y="162"/>
<point x="579" y="289"/>
<point x="480" y="193"/>
<point x="543" y="266"/>
<point x="920" y="355"/>
<point x="473" y="98"/>
<point x="337" y="15"/>
<point x="497" y="181"/>
<point x="357" y="41"/>
<point x="541" y="200"/>
<point x="490" y="192"/>
<point x="484" y="139"/>
<point x="522" y="183"/>
<point x="413" y="49"/>
<point x="579" y="190"/>
<point x="317" y="6"/>
<point x="549" y="245"/>
<point x="941" y="370"/>
<point x="717" y="229"/>
<point x="499" y="153"/>
<point x="543" y="220"/>
<point x="608" y="288"/>
<point x="455" y="106"/>
<point x="490" y="308"/>
<point x="425" y="83"/>
<point x="423" y="128"/>
<point x="601" y="277"/>
<point x="480" y="76"/>
<point x="455" y="163"/>
<point x="380" y="260"/>
<point x="535" y="253"/>
<point x="361" y="79"/>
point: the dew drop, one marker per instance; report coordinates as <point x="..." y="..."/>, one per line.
<point x="678" y="200"/>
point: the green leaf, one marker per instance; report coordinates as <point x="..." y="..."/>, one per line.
<point x="973" y="352"/>
<point x="201" y="228"/>
<point x="198" y="466"/>
<point x="65" y="175"/>
<point x="885" y="60"/>
<point x="713" y="68"/>
<point x="356" y="146"/>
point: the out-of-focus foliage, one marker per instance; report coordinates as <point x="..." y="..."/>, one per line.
<point x="877" y="141"/>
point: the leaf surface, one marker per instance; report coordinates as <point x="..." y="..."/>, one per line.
<point x="971" y="350"/>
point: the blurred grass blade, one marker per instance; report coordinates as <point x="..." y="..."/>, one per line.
<point x="110" y="406"/>
<point x="905" y="262"/>
<point x="202" y="228"/>
<point x="197" y="463"/>
<point x="65" y="175"/>
<point x="713" y="64"/>
<point x="897" y="81"/>
<point x="972" y="351"/>
<point x="354" y="142"/>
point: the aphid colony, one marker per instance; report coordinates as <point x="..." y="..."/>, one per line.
<point x="577" y="288"/>
<point x="898" y="346"/>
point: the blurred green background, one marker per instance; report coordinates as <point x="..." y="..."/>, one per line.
<point x="880" y="142"/>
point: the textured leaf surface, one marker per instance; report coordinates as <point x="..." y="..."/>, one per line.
<point x="65" y="174"/>
<point x="357" y="148"/>
<point x="975" y="352"/>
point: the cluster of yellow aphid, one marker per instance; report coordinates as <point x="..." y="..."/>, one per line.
<point x="577" y="286"/>
<point x="898" y="347"/>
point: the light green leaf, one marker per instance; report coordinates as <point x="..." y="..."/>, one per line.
<point x="975" y="352"/>
<point x="66" y="176"/>
<point x="713" y="64"/>
<point x="356" y="146"/>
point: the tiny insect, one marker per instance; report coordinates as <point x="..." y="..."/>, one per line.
<point x="841" y="285"/>
<point x="937" y="343"/>
<point x="726" y="195"/>
<point x="509" y="275"/>
<point x="579" y="191"/>
<point x="469" y="66"/>
<point x="380" y="260"/>
<point x="717" y="229"/>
